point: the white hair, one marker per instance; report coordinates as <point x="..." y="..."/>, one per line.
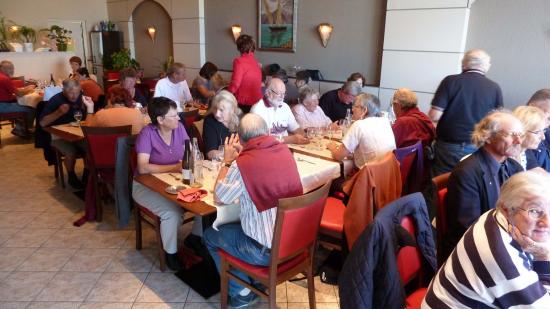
<point x="523" y="186"/>
<point x="476" y="59"/>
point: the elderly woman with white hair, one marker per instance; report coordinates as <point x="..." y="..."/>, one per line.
<point x="308" y="113"/>
<point x="503" y="260"/>
<point x="534" y="124"/>
<point x="221" y="121"/>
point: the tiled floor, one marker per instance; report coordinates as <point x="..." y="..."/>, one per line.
<point x="46" y="262"/>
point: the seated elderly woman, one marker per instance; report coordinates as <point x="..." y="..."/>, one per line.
<point x="503" y="260"/>
<point x="119" y="111"/>
<point x="160" y="147"/>
<point x="89" y="87"/>
<point x="534" y="124"/>
<point x="221" y="121"/>
<point x="308" y="113"/>
<point x="127" y="80"/>
<point x="370" y="137"/>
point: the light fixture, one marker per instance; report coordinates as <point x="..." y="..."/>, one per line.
<point x="152" y="32"/>
<point x="325" y="30"/>
<point x="236" y="30"/>
<point x="14" y="28"/>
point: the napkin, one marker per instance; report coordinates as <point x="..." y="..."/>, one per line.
<point x="191" y="194"/>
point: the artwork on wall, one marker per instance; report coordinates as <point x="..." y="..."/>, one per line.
<point x="277" y="25"/>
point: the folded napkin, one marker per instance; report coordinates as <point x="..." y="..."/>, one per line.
<point x="191" y="194"/>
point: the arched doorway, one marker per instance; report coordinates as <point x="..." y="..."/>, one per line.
<point x="152" y="54"/>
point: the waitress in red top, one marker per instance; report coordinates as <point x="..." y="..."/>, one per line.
<point x="246" y="81"/>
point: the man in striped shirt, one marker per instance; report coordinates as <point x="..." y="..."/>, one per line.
<point x="503" y="260"/>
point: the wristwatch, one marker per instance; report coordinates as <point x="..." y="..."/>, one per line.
<point x="226" y="164"/>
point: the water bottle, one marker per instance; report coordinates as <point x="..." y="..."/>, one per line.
<point x="348" y="118"/>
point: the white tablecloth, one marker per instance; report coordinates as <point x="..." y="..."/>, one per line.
<point x="31" y="100"/>
<point x="322" y="152"/>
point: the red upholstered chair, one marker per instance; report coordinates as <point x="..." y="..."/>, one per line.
<point x="411" y="160"/>
<point x="101" y="157"/>
<point x="440" y="185"/>
<point x="409" y="265"/>
<point x="292" y="248"/>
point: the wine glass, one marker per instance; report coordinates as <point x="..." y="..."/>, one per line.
<point x="77" y="116"/>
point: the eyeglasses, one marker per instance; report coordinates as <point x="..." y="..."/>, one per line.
<point x="170" y="116"/>
<point x="538" y="132"/>
<point x="534" y="213"/>
<point x="279" y="94"/>
<point x="512" y="134"/>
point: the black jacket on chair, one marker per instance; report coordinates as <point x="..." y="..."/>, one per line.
<point x="369" y="277"/>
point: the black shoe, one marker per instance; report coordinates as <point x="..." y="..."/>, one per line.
<point x="193" y="242"/>
<point x="173" y="262"/>
<point x="20" y="133"/>
<point x="243" y="301"/>
<point x="85" y="175"/>
<point x="74" y="182"/>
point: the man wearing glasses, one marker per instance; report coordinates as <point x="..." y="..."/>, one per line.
<point x="474" y="184"/>
<point x="277" y="114"/>
<point x="541" y="156"/>
<point x="336" y="103"/>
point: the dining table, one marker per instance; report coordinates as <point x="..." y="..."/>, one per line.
<point x="31" y="99"/>
<point x="70" y="132"/>
<point x="319" y="150"/>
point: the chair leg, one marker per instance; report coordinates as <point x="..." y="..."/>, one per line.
<point x="310" y="287"/>
<point x="98" y="199"/>
<point x="224" y="282"/>
<point x="59" y="160"/>
<point x="137" y="217"/>
<point x="162" y="256"/>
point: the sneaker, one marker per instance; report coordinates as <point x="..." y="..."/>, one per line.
<point x="239" y="301"/>
<point x="173" y="262"/>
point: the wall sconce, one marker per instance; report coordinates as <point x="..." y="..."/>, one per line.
<point x="325" y="30"/>
<point x="152" y="32"/>
<point x="14" y="28"/>
<point x="236" y="30"/>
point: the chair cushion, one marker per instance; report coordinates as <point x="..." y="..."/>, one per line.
<point x="415" y="299"/>
<point x="333" y="215"/>
<point x="263" y="271"/>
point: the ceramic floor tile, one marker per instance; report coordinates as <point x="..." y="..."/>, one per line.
<point x="195" y="297"/>
<point x="117" y="287"/>
<point x="16" y="219"/>
<point x="107" y="239"/>
<point x="49" y="220"/>
<point x="297" y="292"/>
<point x="67" y="238"/>
<point x="47" y="259"/>
<point x="148" y="239"/>
<point x="11" y="258"/>
<point x="189" y="305"/>
<point x="163" y="287"/>
<point x="131" y="260"/>
<point x="54" y="305"/>
<point x="23" y="286"/>
<point x="69" y="286"/>
<point x="90" y="260"/>
<point x="158" y="305"/>
<point x="5" y="234"/>
<point x="280" y="294"/>
<point x="27" y="238"/>
<point x="318" y="305"/>
<point x="100" y="305"/>
<point x="13" y="305"/>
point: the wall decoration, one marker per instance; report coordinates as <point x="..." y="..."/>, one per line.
<point x="277" y="20"/>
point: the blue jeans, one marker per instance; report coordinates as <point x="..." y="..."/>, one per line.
<point x="234" y="241"/>
<point x="16" y="108"/>
<point x="447" y="156"/>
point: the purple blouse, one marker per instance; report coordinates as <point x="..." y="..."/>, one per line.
<point x="150" y="142"/>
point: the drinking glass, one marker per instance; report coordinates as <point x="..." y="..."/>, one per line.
<point x="77" y="116"/>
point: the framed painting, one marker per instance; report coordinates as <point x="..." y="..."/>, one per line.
<point x="277" y="25"/>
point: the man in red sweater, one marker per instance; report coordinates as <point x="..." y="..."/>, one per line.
<point x="9" y="95"/>
<point x="411" y="124"/>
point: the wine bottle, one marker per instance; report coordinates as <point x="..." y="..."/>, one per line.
<point x="52" y="81"/>
<point x="185" y="164"/>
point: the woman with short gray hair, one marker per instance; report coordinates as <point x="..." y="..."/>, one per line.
<point x="308" y="113"/>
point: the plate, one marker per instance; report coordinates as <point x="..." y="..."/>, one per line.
<point x="174" y="189"/>
<point x="74" y="124"/>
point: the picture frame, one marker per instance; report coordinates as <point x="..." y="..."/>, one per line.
<point x="277" y="25"/>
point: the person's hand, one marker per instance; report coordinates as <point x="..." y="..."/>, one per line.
<point x="332" y="146"/>
<point x="334" y="126"/>
<point x="539" y="250"/>
<point x="63" y="109"/>
<point x="31" y="87"/>
<point x="231" y="148"/>
<point x="89" y="103"/>
<point x="296" y="139"/>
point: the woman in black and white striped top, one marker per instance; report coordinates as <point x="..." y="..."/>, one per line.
<point x="503" y="260"/>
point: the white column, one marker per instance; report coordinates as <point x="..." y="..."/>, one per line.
<point x="189" y="34"/>
<point x="424" y="41"/>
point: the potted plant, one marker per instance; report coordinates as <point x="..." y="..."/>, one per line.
<point x="60" y="35"/>
<point x="28" y="36"/>
<point x="120" y="60"/>
<point x="3" y="34"/>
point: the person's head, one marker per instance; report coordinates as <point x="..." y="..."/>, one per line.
<point x="119" y="96"/>
<point x="251" y="126"/>
<point x="500" y="133"/>
<point x="541" y="99"/>
<point x="403" y="100"/>
<point x="269" y="71"/>
<point x="128" y="78"/>
<point x="534" y="123"/>
<point x="82" y="74"/>
<point x="71" y="90"/>
<point x="357" y="77"/>
<point x="176" y="72"/>
<point x="309" y="97"/>
<point x="208" y="70"/>
<point x="217" y="82"/>
<point x="365" y="105"/>
<point x="75" y="63"/>
<point x="7" y="68"/>
<point x="349" y="91"/>
<point x="246" y="44"/>
<point x="224" y="108"/>
<point x="476" y="59"/>
<point x="302" y="79"/>
<point x="163" y="113"/>
<point x="281" y="74"/>
<point x="525" y="201"/>
<point x="275" y="91"/>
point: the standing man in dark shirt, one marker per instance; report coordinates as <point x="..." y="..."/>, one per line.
<point x="60" y="110"/>
<point x="540" y="156"/>
<point x="459" y="103"/>
<point x="337" y="102"/>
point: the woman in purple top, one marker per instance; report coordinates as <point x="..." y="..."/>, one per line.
<point x="159" y="148"/>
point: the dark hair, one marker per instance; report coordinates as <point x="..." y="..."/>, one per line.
<point x="208" y="70"/>
<point x="127" y="73"/>
<point x="303" y="75"/>
<point x="540" y="95"/>
<point x="119" y="95"/>
<point x="159" y="107"/>
<point x="76" y="59"/>
<point x="83" y="72"/>
<point x="355" y="76"/>
<point x="281" y="74"/>
<point x="246" y="44"/>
